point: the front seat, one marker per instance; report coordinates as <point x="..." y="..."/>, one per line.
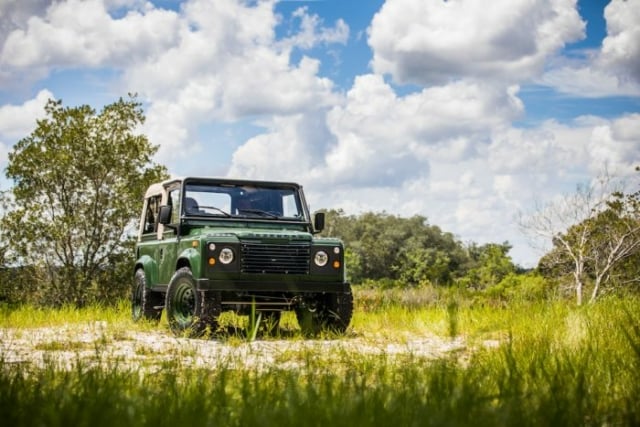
<point x="191" y="206"/>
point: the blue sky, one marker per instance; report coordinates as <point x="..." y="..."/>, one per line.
<point x="469" y="113"/>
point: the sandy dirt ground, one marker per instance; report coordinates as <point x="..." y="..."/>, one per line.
<point x="98" y="343"/>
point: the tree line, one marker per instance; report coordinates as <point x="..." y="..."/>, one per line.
<point x="410" y="252"/>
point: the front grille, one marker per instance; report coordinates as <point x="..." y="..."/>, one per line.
<point x="262" y="258"/>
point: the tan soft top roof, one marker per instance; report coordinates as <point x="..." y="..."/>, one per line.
<point x="158" y="186"/>
<point x="153" y="189"/>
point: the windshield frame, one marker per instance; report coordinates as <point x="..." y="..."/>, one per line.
<point x="279" y="202"/>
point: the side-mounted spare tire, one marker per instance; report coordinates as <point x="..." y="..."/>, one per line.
<point x="190" y="311"/>
<point x="145" y="303"/>
<point x="330" y="312"/>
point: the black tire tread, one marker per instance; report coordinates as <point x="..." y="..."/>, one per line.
<point x="332" y="312"/>
<point x="150" y="300"/>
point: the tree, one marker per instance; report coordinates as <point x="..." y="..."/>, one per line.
<point x="592" y="231"/>
<point x="617" y="238"/>
<point x="78" y="181"/>
<point x="489" y="265"/>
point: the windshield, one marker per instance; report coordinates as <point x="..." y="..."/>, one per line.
<point x="242" y="201"/>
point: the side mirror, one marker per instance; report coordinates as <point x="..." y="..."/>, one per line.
<point x="164" y="217"/>
<point x="318" y="222"/>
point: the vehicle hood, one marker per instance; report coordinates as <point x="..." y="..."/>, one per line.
<point x="262" y="235"/>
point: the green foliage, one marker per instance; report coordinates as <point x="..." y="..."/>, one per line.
<point x="17" y="285"/>
<point x="425" y="265"/>
<point x="489" y="264"/>
<point x="409" y="252"/>
<point x="78" y="181"/>
<point x="521" y="287"/>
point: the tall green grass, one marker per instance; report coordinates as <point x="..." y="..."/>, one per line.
<point x="29" y="316"/>
<point x="556" y="365"/>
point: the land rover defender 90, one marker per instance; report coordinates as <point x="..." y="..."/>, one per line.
<point x="208" y="245"/>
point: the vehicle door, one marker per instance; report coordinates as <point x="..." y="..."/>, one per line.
<point x="168" y="245"/>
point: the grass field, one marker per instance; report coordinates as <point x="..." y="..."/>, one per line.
<point x="551" y="363"/>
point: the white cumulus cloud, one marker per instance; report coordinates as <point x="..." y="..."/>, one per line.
<point x="614" y="69"/>
<point x="617" y="145"/>
<point x="435" y="41"/>
<point x="228" y="65"/>
<point x="82" y="33"/>
<point x="313" y="32"/>
<point x="17" y="121"/>
<point x="14" y="14"/>
<point x="212" y="60"/>
<point x="292" y="149"/>
<point x="620" y="49"/>
<point x="375" y="138"/>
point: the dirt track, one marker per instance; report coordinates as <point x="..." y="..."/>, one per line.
<point x="98" y="343"/>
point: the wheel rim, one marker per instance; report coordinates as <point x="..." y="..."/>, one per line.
<point x="184" y="303"/>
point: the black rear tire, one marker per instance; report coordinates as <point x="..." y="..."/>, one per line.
<point x="339" y="311"/>
<point x="145" y="304"/>
<point x="330" y="312"/>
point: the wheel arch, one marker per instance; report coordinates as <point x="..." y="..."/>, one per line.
<point x="189" y="258"/>
<point x="150" y="268"/>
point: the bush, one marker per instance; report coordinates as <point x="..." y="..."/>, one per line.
<point x="17" y="286"/>
<point x="31" y="285"/>
<point x="525" y="287"/>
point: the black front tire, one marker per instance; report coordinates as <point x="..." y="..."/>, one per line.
<point x="145" y="304"/>
<point x="190" y="311"/>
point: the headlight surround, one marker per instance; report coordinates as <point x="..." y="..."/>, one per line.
<point x="226" y="256"/>
<point x="321" y="258"/>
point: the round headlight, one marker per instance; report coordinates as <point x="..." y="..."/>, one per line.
<point x="321" y="258"/>
<point x="212" y="247"/>
<point x="226" y="256"/>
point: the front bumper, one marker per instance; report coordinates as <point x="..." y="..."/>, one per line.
<point x="296" y="287"/>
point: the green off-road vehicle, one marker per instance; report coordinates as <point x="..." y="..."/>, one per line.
<point x="209" y="245"/>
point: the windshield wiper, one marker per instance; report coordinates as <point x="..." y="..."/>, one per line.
<point x="226" y="214"/>
<point x="260" y="212"/>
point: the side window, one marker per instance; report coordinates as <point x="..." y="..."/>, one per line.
<point x="174" y="202"/>
<point x="151" y="215"/>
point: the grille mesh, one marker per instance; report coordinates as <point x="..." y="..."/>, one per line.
<point x="262" y="258"/>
